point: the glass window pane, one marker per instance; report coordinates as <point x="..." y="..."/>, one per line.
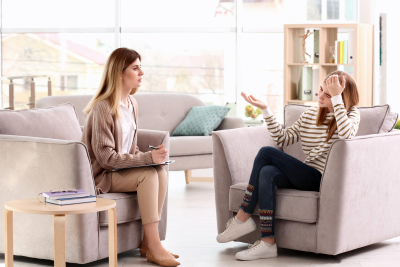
<point x="273" y="13"/>
<point x="201" y="64"/>
<point x="351" y="10"/>
<point x="314" y="10"/>
<point x="178" y="13"/>
<point x="333" y="7"/>
<point x="262" y="71"/>
<point x="58" y="14"/>
<point x="74" y="62"/>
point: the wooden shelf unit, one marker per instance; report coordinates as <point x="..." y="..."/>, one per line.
<point x="362" y="66"/>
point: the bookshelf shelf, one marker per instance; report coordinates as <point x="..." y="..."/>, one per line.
<point x="334" y="64"/>
<point x="360" y="69"/>
<point x="303" y="64"/>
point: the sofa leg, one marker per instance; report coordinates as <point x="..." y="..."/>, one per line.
<point x="188" y="174"/>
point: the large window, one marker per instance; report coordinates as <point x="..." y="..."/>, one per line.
<point x="213" y="49"/>
<point x="74" y="62"/>
<point x="178" y="13"/>
<point x="201" y="64"/>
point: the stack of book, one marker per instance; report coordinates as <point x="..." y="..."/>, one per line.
<point x="68" y="198"/>
<point x="344" y="50"/>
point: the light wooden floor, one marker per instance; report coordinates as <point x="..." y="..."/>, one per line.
<point x="192" y="230"/>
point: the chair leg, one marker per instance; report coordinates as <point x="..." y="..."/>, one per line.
<point x="188" y="175"/>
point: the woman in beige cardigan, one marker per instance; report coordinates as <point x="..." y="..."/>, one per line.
<point x="110" y="134"/>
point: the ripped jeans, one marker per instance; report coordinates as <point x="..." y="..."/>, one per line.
<point x="274" y="168"/>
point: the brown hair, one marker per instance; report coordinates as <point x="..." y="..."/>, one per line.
<point x="111" y="84"/>
<point x="350" y="99"/>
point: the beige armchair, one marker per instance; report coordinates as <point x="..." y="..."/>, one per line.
<point x="163" y="112"/>
<point x="41" y="150"/>
<point x="359" y="199"/>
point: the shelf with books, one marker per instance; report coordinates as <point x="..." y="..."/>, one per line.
<point x="319" y="45"/>
<point x="335" y="64"/>
<point x="339" y="45"/>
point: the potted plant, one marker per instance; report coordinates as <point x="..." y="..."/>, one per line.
<point x="397" y="125"/>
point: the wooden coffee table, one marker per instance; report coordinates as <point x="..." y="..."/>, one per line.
<point x="33" y="206"/>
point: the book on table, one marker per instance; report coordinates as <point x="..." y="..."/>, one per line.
<point x="58" y="195"/>
<point x="70" y="201"/>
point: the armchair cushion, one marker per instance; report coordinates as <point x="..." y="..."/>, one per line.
<point x="291" y="204"/>
<point x="190" y="145"/>
<point x="201" y="120"/>
<point x="127" y="208"/>
<point x="57" y="122"/>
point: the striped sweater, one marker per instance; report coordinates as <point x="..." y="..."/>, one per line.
<point x="312" y="136"/>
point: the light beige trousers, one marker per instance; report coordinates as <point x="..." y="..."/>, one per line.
<point x="150" y="183"/>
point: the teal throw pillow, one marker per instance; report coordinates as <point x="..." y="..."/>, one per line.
<point x="201" y="120"/>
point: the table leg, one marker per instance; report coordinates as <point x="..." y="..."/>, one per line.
<point x="8" y="238"/>
<point x="112" y="237"/>
<point x="59" y="240"/>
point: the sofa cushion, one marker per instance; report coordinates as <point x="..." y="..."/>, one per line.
<point x="127" y="208"/>
<point x="201" y="120"/>
<point x="164" y="112"/>
<point x="291" y="204"/>
<point x="57" y="122"/>
<point x="373" y="120"/>
<point x="190" y="145"/>
<point x="78" y="101"/>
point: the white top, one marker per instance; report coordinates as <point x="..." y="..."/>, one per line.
<point x="313" y="137"/>
<point x="128" y="126"/>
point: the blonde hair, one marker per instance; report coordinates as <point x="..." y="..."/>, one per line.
<point x="111" y="84"/>
<point x="350" y="99"/>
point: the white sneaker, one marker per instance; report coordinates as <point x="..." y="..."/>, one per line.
<point x="235" y="230"/>
<point x="259" y="250"/>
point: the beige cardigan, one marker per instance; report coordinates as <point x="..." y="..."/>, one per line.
<point x="102" y="134"/>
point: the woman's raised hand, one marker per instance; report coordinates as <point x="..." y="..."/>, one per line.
<point x="159" y="155"/>
<point x="254" y="101"/>
<point x="333" y="85"/>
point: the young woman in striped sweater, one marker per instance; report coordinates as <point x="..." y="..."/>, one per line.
<point x="336" y="117"/>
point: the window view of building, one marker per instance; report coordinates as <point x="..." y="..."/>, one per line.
<point x="195" y="49"/>
<point x="73" y="62"/>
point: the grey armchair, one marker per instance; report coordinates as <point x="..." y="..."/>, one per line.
<point x="163" y="112"/>
<point x="41" y="150"/>
<point x="358" y="203"/>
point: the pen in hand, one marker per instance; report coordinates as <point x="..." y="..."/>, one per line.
<point x="156" y="148"/>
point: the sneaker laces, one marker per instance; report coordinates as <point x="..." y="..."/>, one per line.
<point x="251" y="246"/>
<point x="229" y="223"/>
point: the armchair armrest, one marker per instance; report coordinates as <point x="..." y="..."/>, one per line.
<point x="31" y="165"/>
<point x="233" y="156"/>
<point x="153" y="138"/>
<point x="359" y="199"/>
<point x="230" y="123"/>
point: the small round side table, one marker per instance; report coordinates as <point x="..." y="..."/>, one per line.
<point x="33" y="206"/>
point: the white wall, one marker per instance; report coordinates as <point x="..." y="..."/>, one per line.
<point x="392" y="9"/>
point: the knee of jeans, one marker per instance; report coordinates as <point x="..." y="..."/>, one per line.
<point x="265" y="150"/>
<point x="267" y="174"/>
